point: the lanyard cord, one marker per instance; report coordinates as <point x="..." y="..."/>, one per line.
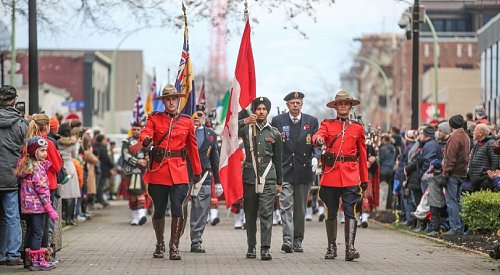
<point x="344" y="127"/>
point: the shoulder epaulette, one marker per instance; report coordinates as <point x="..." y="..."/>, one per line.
<point x="357" y="122"/>
<point x="184" y="115"/>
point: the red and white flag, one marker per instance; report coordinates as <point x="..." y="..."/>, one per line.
<point x="242" y="94"/>
<point x="201" y="94"/>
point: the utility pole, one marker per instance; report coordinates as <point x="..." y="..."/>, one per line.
<point x="415" y="63"/>
<point x="13" y="54"/>
<point x="33" y="59"/>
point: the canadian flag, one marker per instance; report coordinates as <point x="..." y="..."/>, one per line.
<point x="242" y="94"/>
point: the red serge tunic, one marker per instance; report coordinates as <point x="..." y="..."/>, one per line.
<point x="172" y="170"/>
<point x="349" y="173"/>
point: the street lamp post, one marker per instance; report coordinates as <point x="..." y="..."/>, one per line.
<point x="386" y="83"/>
<point x="33" y="59"/>
<point x="112" y="92"/>
<point x="436" y="58"/>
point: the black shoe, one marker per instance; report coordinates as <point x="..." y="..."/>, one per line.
<point x="297" y="247"/>
<point x="321" y="217"/>
<point x="252" y="252"/>
<point x="215" y="221"/>
<point x="196" y="248"/>
<point x="286" y="248"/>
<point x="364" y="224"/>
<point x="265" y="255"/>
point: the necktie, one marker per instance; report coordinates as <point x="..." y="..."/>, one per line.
<point x="200" y="136"/>
<point x="295" y="120"/>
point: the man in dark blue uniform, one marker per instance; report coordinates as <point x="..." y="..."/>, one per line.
<point x="209" y="158"/>
<point x="300" y="159"/>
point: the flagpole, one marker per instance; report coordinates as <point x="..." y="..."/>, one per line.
<point x="246" y="11"/>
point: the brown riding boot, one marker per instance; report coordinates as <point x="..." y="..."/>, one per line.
<point x="331" y="233"/>
<point x="175" y="234"/>
<point x="350" y="235"/>
<point x="159" y="227"/>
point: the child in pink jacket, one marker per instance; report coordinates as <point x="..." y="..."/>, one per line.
<point x="35" y="199"/>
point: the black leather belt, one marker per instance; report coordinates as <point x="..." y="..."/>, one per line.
<point x="347" y="158"/>
<point x="174" y="154"/>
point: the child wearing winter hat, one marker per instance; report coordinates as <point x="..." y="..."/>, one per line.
<point x="436" y="199"/>
<point x="35" y="199"/>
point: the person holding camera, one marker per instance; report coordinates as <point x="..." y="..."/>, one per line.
<point x="13" y="129"/>
<point x="345" y="171"/>
<point x="170" y="138"/>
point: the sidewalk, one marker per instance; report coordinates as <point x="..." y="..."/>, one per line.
<point x="108" y="244"/>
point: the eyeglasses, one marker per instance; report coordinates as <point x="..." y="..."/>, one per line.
<point x="199" y="114"/>
<point x="136" y="129"/>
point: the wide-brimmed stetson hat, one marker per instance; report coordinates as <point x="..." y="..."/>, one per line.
<point x="342" y="96"/>
<point x="169" y="91"/>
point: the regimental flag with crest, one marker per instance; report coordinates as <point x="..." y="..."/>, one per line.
<point x="151" y="95"/>
<point x="201" y="93"/>
<point x="242" y="94"/>
<point x="138" y="113"/>
<point x="184" y="82"/>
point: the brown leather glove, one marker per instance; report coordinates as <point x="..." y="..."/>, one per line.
<point x="147" y="141"/>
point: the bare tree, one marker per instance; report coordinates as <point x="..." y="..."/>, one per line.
<point x="102" y="14"/>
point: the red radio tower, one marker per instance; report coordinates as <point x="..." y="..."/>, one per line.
<point x="217" y="73"/>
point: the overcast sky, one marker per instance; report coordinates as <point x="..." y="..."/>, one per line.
<point x="285" y="61"/>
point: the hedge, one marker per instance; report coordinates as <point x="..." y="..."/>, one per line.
<point x="481" y="210"/>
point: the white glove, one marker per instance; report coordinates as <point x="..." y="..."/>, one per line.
<point x="218" y="189"/>
<point x="314" y="164"/>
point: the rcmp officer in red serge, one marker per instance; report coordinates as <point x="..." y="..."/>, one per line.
<point x="345" y="171"/>
<point x="300" y="159"/>
<point x="170" y="138"/>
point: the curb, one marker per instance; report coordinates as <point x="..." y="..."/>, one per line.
<point x="440" y="241"/>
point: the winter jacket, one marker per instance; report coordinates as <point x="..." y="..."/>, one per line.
<point x="35" y="193"/>
<point x="12" y="132"/>
<point x="387" y="156"/>
<point x="403" y="160"/>
<point x="483" y="159"/>
<point x="457" y="154"/>
<point x="106" y="164"/>
<point x="430" y="151"/>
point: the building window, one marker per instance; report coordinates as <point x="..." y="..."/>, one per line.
<point x="469" y="50"/>
<point x="494" y="71"/>
<point x="426" y="50"/>
<point x="459" y="50"/>
<point x="465" y="66"/>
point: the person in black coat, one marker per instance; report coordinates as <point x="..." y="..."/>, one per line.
<point x="300" y="159"/>
<point x="106" y="165"/>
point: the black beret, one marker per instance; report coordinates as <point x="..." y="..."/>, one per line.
<point x="7" y="92"/>
<point x="429" y="131"/>
<point x="200" y="107"/>
<point x="293" y="95"/>
<point x="261" y="100"/>
<point x="456" y="121"/>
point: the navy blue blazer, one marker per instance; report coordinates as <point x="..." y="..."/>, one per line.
<point x="297" y="154"/>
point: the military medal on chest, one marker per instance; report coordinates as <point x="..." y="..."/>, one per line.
<point x="308" y="139"/>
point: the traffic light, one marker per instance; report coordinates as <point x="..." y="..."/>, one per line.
<point x="405" y="22"/>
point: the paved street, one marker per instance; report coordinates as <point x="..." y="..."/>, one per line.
<point x="107" y="244"/>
